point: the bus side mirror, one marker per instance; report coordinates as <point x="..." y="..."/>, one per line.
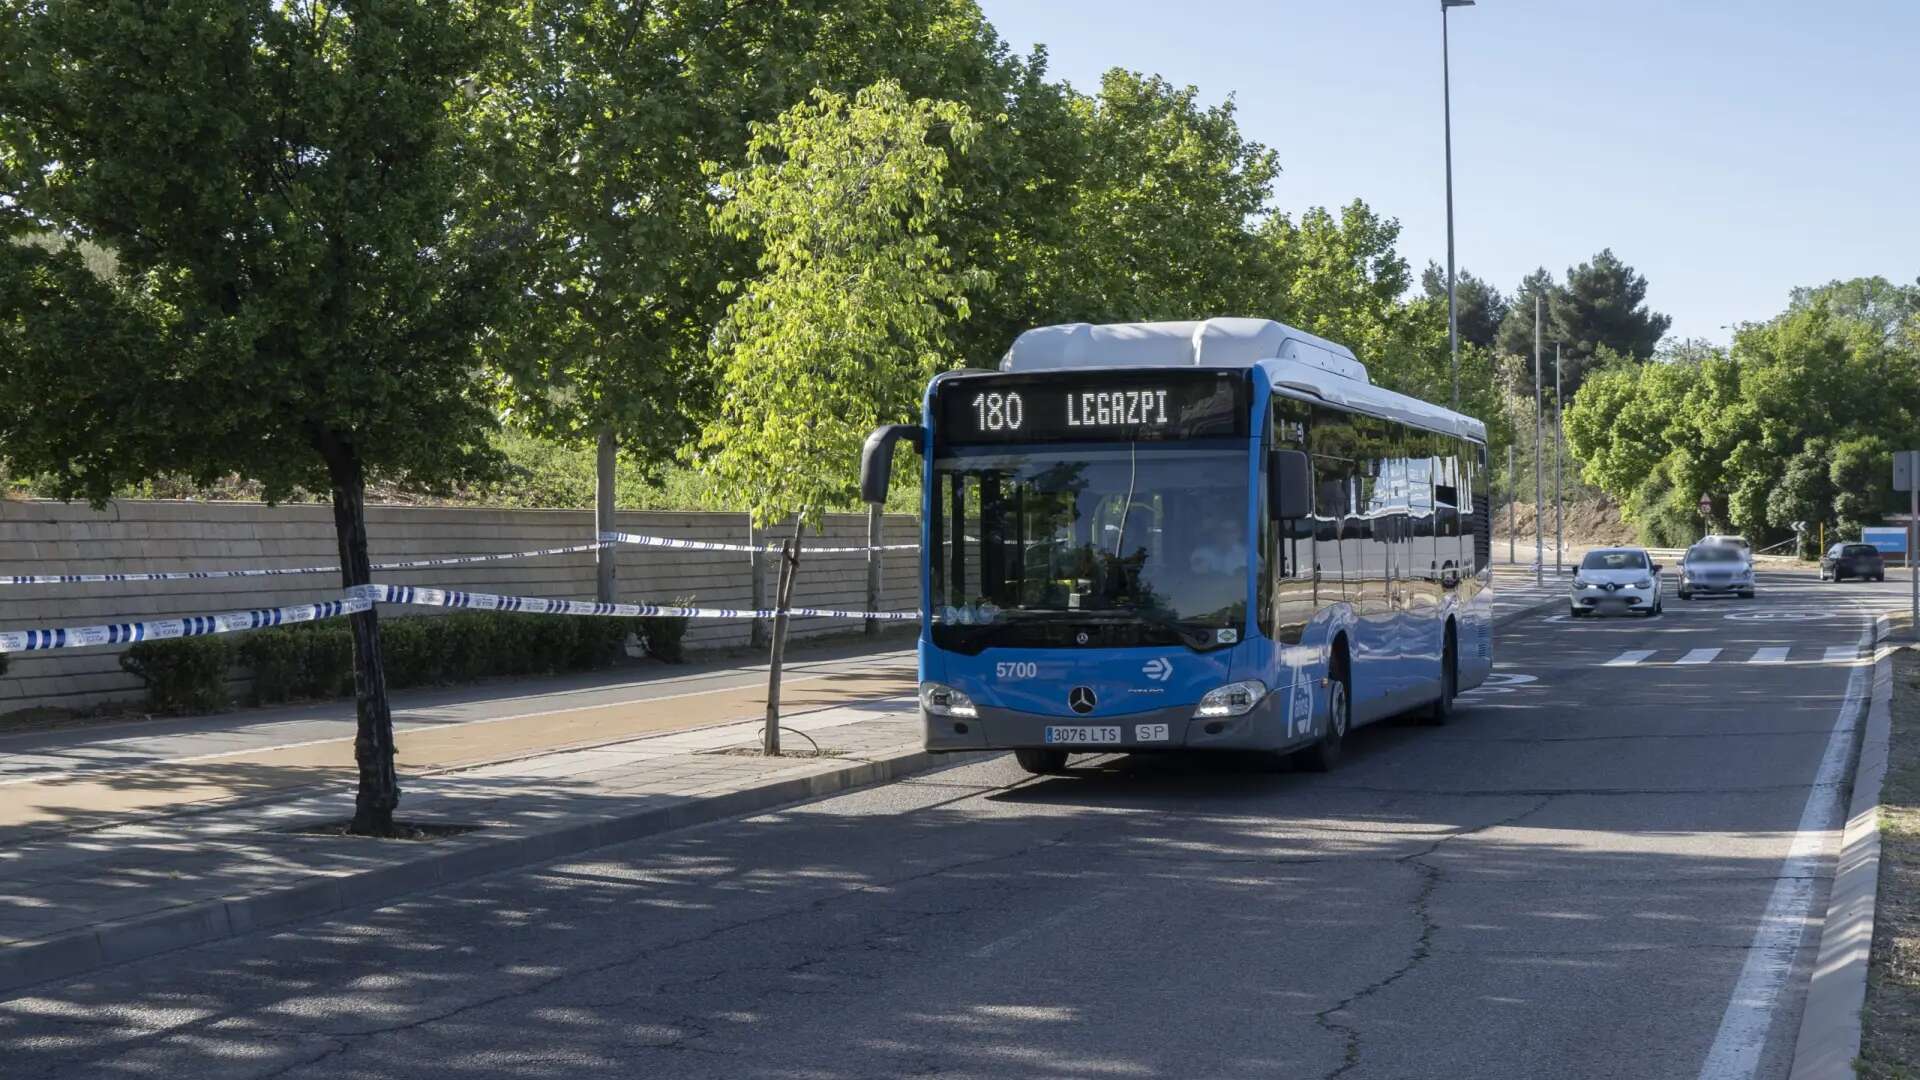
<point x="876" y="458"/>
<point x="1289" y="485"/>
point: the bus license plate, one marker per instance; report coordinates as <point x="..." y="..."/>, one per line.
<point x="1083" y="735"/>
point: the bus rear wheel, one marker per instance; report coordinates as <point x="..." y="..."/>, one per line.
<point x="1441" y="710"/>
<point x="1042" y="762"/>
<point x="1324" y="754"/>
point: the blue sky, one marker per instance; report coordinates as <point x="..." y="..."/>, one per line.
<point x="1728" y="150"/>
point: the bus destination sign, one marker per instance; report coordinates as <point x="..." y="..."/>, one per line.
<point x="1110" y="406"/>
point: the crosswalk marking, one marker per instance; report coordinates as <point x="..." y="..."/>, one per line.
<point x="1772" y="654"/>
<point x="1629" y="658"/>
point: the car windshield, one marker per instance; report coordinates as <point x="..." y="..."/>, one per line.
<point x="1148" y="540"/>
<point x="1614" y="560"/>
<point x="1860" y="549"/>
<point x="1715" y="555"/>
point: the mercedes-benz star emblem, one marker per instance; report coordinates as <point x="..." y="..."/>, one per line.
<point x="1081" y="700"/>
<point x="1080" y="638"/>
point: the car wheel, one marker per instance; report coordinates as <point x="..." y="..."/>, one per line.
<point x="1042" y="762"/>
<point x="1685" y="595"/>
<point x="1746" y="594"/>
<point x="1879" y="577"/>
<point x="1838" y="577"/>
<point x="1324" y="754"/>
<point x="1441" y="711"/>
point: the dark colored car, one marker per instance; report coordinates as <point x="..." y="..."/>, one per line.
<point x="1843" y="561"/>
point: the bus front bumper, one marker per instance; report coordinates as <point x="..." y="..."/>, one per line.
<point x="1173" y="728"/>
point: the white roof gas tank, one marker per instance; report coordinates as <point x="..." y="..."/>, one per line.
<point x="1209" y="343"/>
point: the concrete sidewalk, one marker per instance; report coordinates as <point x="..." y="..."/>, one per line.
<point x="82" y="900"/>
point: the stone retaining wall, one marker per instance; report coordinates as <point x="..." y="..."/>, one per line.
<point x="52" y="538"/>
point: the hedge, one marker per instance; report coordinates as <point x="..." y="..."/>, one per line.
<point x="315" y="660"/>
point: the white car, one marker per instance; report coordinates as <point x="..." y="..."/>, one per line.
<point x="1716" y="568"/>
<point x="1616" y="580"/>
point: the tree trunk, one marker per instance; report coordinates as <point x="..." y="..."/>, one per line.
<point x="789" y="569"/>
<point x="604" y="465"/>
<point x="373" y="746"/>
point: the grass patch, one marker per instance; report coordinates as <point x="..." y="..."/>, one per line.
<point x="1890" y="1037"/>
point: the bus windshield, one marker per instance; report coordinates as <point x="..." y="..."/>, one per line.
<point x="1118" y="543"/>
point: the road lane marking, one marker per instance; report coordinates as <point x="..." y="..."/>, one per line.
<point x="1846" y="654"/>
<point x="1629" y="658"/>
<point x="1033" y="929"/>
<point x="1698" y="656"/>
<point x="1735" y="1054"/>
<point x="1773" y="654"/>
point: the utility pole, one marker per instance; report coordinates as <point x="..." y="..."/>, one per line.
<point x="1446" y="106"/>
<point x="1559" y="506"/>
<point x="1513" y="502"/>
<point x="1539" y="438"/>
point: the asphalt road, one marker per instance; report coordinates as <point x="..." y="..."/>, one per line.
<point x="1571" y="880"/>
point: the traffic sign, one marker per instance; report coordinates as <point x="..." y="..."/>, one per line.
<point x="1799" y="526"/>
<point x="1706" y="505"/>
<point x="1890" y="539"/>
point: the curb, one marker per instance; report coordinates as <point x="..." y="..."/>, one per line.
<point x="121" y="941"/>
<point x="1829" y="1038"/>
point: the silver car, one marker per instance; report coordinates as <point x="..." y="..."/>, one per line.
<point x="1616" y="580"/>
<point x="1716" y="568"/>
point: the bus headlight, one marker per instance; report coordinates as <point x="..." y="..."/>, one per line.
<point x="1233" y="699"/>
<point x="946" y="701"/>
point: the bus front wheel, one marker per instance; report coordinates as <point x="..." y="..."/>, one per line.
<point x="1324" y="754"/>
<point x="1042" y="762"/>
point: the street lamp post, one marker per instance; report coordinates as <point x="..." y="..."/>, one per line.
<point x="1446" y="107"/>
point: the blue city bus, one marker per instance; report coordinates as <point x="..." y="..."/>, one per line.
<point x="1192" y="535"/>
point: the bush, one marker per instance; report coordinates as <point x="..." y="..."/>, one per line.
<point x="312" y="661"/>
<point x="661" y="635"/>
<point x="184" y="675"/>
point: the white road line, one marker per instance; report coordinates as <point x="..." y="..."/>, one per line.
<point x="1842" y="654"/>
<point x="1698" y="656"/>
<point x="1629" y="658"/>
<point x="1773" y="654"/>
<point x="1735" y="1054"/>
<point x="1031" y="929"/>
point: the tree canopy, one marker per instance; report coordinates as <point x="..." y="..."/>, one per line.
<point x="1795" y="423"/>
<point x="1600" y="310"/>
<point x="851" y="313"/>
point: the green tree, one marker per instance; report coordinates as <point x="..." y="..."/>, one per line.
<point x="1161" y="190"/>
<point x="1601" y="308"/>
<point x="1604" y="304"/>
<point x="1861" y="476"/>
<point x="853" y="309"/>
<point x="615" y="110"/>
<point x="1515" y="336"/>
<point x="1480" y="309"/>
<point x="1804" y="493"/>
<point x="302" y="280"/>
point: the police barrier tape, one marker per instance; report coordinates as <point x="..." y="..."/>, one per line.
<point x="76" y="637"/>
<point x="412" y="594"/>
<point x="713" y="545"/>
<point x="607" y="539"/>
<point x="208" y="575"/>
<point x="363" y="597"/>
